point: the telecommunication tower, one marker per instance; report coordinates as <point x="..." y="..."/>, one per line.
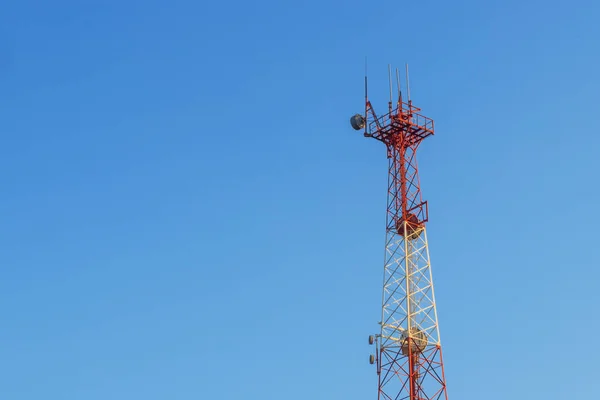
<point x="408" y="355"/>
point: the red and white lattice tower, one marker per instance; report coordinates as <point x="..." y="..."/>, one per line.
<point x="409" y="353"/>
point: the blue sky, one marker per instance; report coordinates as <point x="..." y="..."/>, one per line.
<point x="187" y="214"/>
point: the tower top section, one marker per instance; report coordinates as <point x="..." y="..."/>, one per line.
<point x="401" y="127"/>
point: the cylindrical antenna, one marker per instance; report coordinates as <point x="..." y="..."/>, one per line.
<point x="390" y="81"/>
<point x="407" y="84"/>
<point x="399" y="88"/>
<point x="366" y="84"/>
<point x="366" y="98"/>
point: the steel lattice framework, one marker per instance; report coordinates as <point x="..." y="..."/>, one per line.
<point x="409" y="354"/>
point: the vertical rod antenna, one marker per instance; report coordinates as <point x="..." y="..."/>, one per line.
<point x="366" y="98"/>
<point x="366" y="83"/>
<point x="399" y="90"/>
<point x="407" y="84"/>
<point x="390" y="82"/>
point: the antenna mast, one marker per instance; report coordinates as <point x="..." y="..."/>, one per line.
<point x="408" y="356"/>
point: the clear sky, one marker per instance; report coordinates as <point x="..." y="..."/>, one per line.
<point x="186" y="212"/>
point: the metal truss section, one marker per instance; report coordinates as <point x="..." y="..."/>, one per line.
<point x="408" y="299"/>
<point x="409" y="349"/>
